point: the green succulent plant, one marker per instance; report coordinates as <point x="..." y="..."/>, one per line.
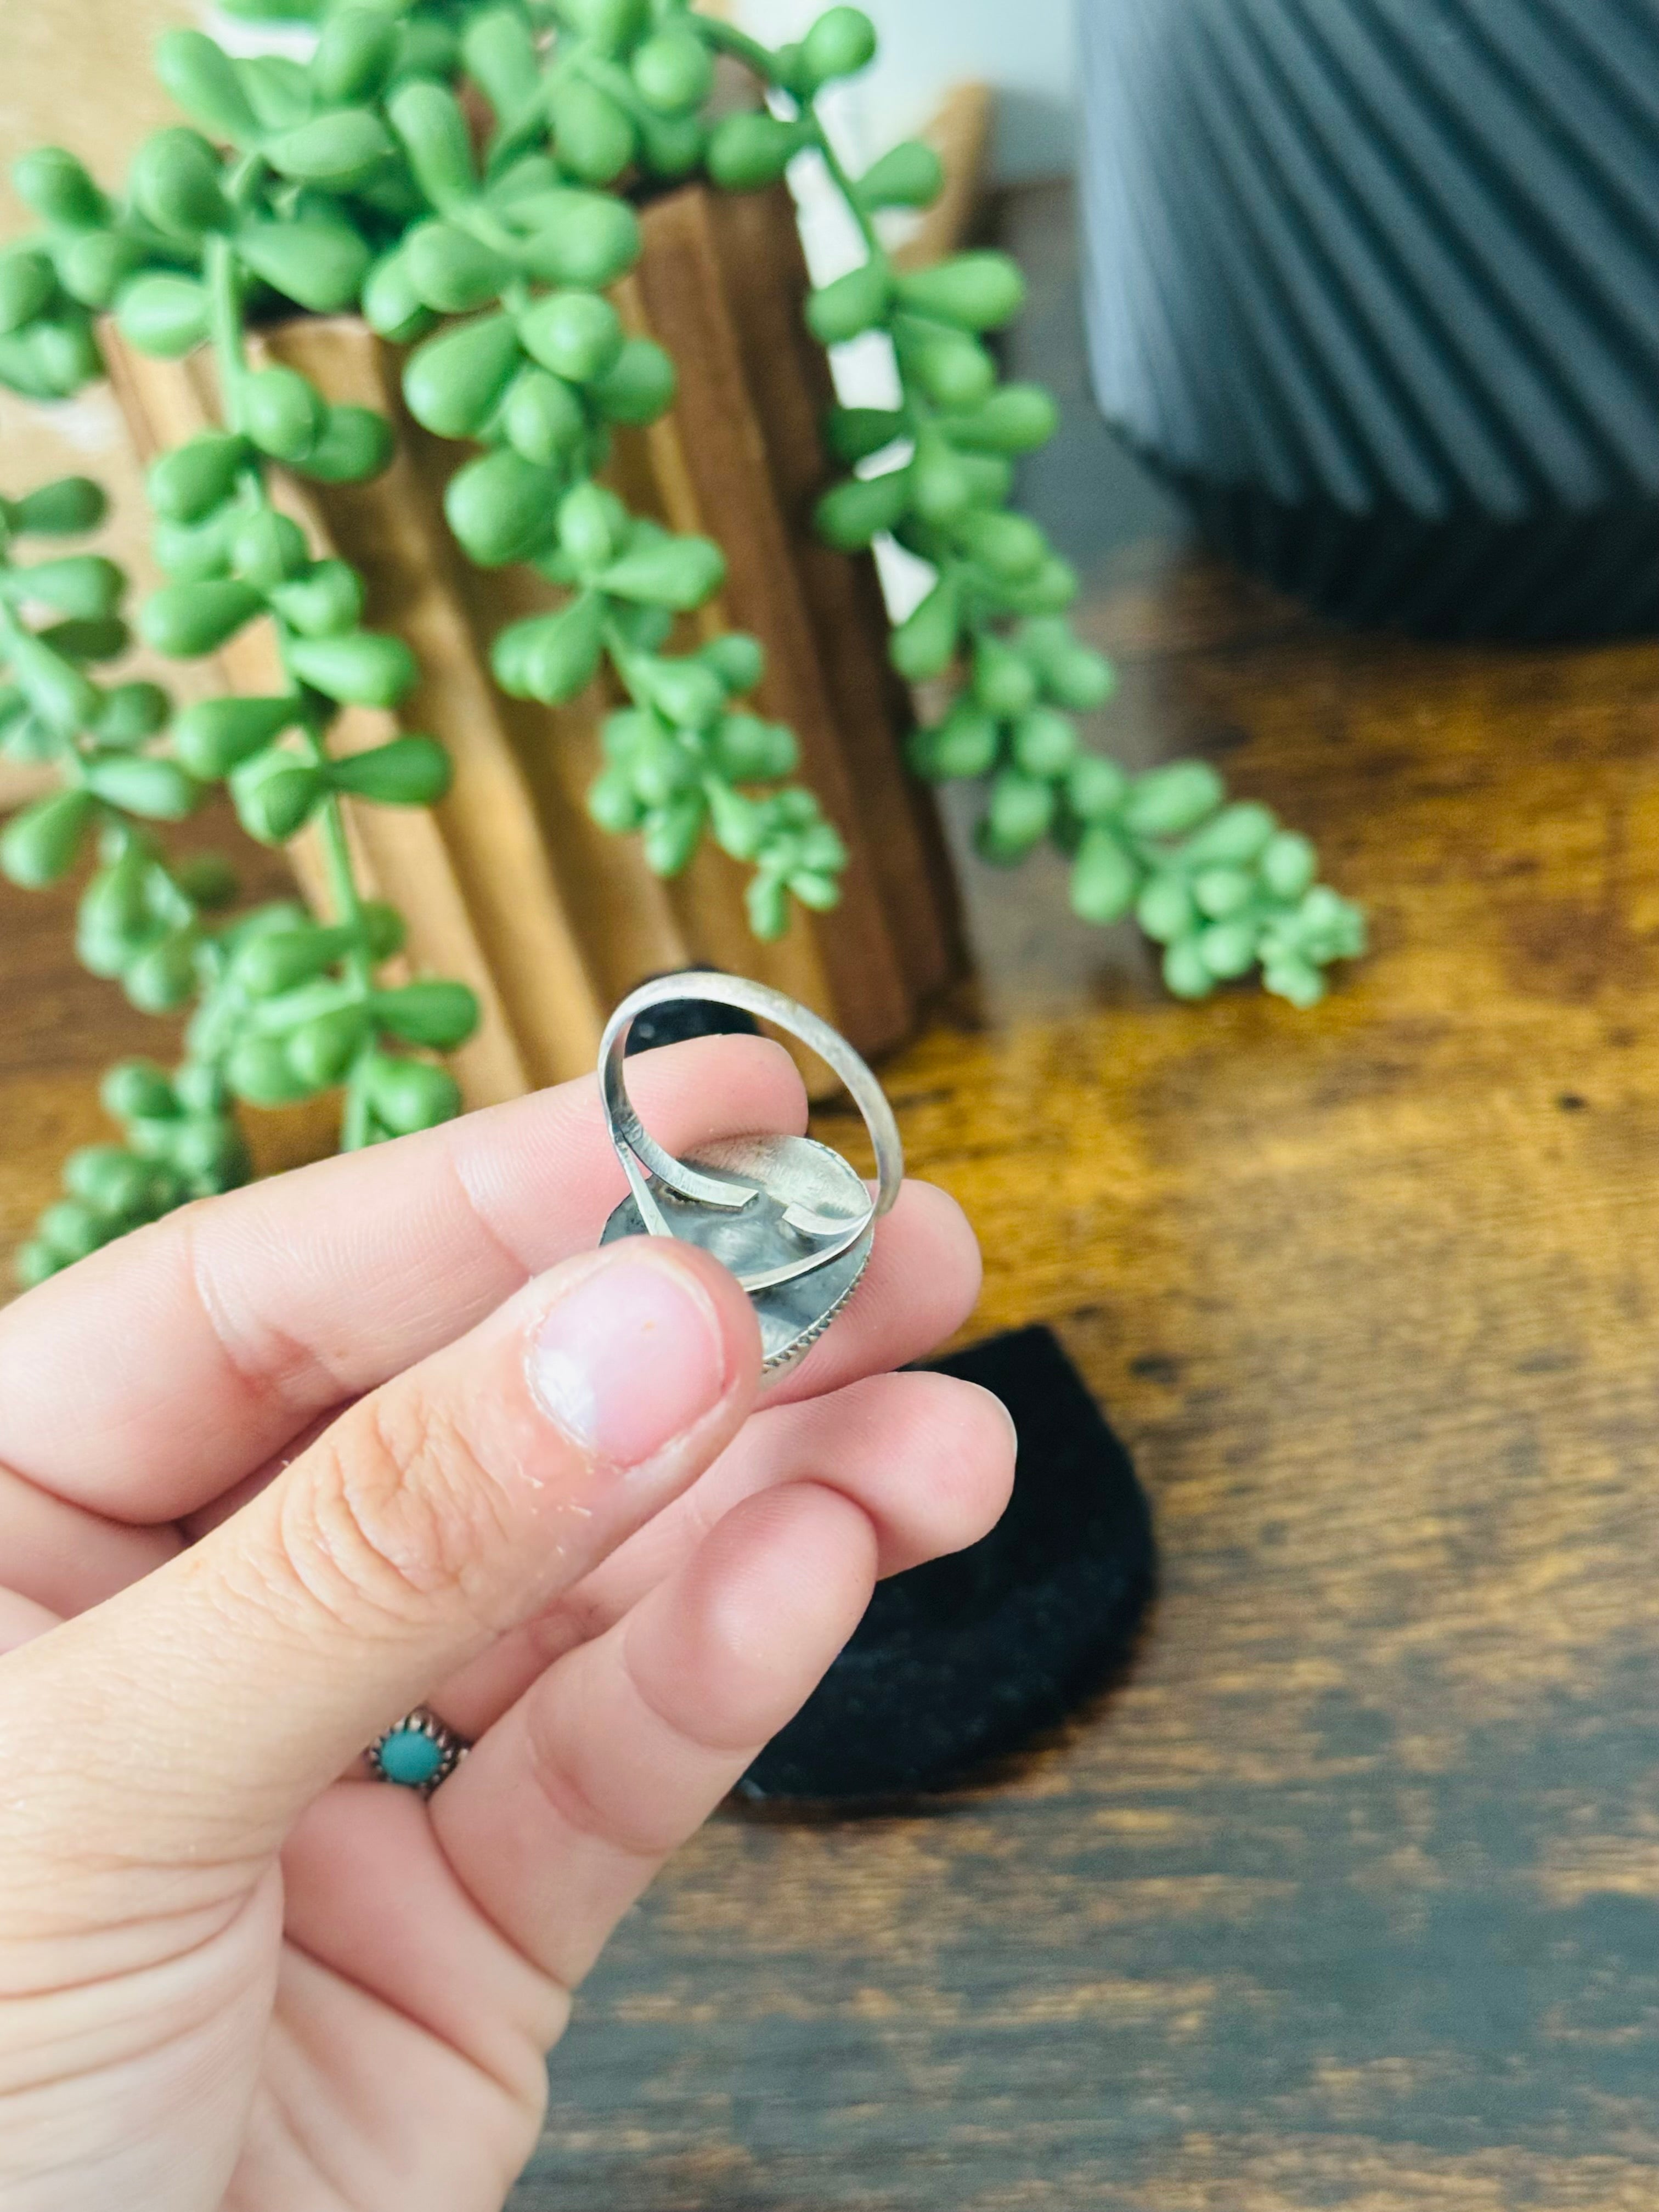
<point x="285" y="1005"/>
<point x="462" y="171"/>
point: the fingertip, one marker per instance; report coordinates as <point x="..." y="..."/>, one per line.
<point x="966" y="1443"/>
<point x="985" y="1493"/>
<point x="954" y="1248"/>
<point x="926" y="1263"/>
<point x="928" y="1456"/>
<point x="732" y="1309"/>
<point x="758" y="1613"/>
<point x="921" y="1284"/>
<point x="635" y="1349"/>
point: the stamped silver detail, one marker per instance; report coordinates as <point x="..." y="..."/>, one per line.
<point x="449" y="1748"/>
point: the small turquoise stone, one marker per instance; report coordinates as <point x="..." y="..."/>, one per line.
<point x="410" y="1758"/>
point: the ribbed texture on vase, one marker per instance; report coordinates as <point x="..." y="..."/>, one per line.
<point x="1377" y="282"/>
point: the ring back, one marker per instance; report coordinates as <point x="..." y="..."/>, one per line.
<point x="792" y="1219"/>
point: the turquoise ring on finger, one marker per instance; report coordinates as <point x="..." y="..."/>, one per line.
<point x="416" y="1752"/>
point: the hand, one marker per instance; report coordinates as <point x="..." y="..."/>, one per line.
<point x="390" y="1430"/>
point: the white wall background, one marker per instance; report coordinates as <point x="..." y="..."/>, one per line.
<point x="1024" y="48"/>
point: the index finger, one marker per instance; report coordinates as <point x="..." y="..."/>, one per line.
<point x="148" y="1379"/>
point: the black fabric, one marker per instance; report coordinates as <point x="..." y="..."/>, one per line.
<point x="964" y="1659"/>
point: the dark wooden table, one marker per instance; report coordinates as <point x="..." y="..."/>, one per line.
<point x="1349" y="1895"/>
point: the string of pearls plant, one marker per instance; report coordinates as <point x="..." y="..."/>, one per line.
<point x="286" y="1005"/>
<point x="462" y="171"/>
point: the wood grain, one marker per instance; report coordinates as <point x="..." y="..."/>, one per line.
<point x="1349" y="1895"/>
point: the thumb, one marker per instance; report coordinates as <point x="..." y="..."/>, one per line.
<point x="196" y="1714"/>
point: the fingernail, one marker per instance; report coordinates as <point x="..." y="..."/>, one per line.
<point x="629" y="1357"/>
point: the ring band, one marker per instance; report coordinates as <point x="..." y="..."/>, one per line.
<point x="416" y="1752"/>
<point x="643" y="1160"/>
<point x="788" y="1216"/>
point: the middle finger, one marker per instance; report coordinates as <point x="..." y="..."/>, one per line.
<point x="929" y="1459"/>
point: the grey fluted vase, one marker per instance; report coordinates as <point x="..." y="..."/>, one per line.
<point x="1376" y="284"/>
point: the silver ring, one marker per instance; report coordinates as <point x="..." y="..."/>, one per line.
<point x="417" y="1752"/>
<point x="792" y="1219"/>
<point x="637" y="1150"/>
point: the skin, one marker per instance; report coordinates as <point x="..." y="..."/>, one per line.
<point x="290" y="1461"/>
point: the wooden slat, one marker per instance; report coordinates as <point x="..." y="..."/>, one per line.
<point x="482" y="843"/>
<point x="717" y="427"/>
<point x="166" y="403"/>
<point x="765" y="281"/>
<point x="958" y="131"/>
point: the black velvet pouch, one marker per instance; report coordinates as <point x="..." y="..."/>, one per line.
<point x="964" y="1659"/>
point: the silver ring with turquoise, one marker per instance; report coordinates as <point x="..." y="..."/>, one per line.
<point x="416" y="1752"/>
